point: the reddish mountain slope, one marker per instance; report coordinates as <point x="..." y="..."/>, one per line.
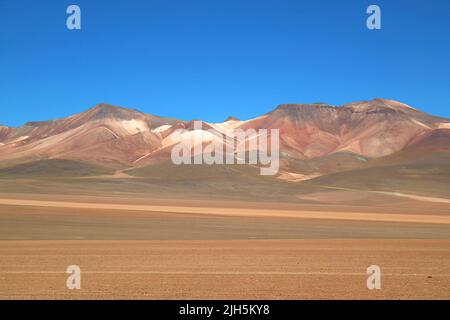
<point x="4" y="132"/>
<point x="123" y="138"/>
<point x="371" y="128"/>
<point x="104" y="134"/>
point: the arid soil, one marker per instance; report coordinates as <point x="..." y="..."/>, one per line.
<point x="231" y="269"/>
<point x="245" y="212"/>
<point x="190" y="249"/>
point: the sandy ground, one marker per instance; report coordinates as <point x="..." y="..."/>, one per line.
<point x="52" y="223"/>
<point x="399" y="194"/>
<point x="408" y="218"/>
<point x="159" y="249"/>
<point x="240" y="269"/>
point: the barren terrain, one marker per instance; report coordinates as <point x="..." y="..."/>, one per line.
<point x="231" y="269"/>
<point x="191" y="249"/>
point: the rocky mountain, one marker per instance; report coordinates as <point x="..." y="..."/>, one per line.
<point x="314" y="138"/>
<point x="105" y="134"/>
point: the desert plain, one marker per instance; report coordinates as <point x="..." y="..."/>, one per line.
<point x="157" y="248"/>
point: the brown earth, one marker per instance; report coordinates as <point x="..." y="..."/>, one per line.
<point x="141" y="248"/>
<point x="243" y="212"/>
<point x="231" y="269"/>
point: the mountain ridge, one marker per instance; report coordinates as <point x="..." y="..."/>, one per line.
<point x="123" y="138"/>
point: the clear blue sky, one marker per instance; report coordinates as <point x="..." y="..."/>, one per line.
<point x="214" y="58"/>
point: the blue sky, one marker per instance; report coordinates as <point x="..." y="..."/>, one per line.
<point x="214" y="58"/>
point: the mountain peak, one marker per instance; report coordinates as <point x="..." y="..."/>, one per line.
<point x="382" y="100"/>
<point x="106" y="105"/>
<point x="231" y="118"/>
<point x="104" y="110"/>
<point x="364" y="104"/>
<point x="110" y="108"/>
<point x="287" y="106"/>
<point x="379" y="102"/>
<point x="292" y="109"/>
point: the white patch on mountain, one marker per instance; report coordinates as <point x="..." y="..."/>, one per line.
<point x="444" y="125"/>
<point x="134" y="126"/>
<point x="162" y="128"/>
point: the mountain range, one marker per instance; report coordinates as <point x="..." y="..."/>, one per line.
<point x="317" y="141"/>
